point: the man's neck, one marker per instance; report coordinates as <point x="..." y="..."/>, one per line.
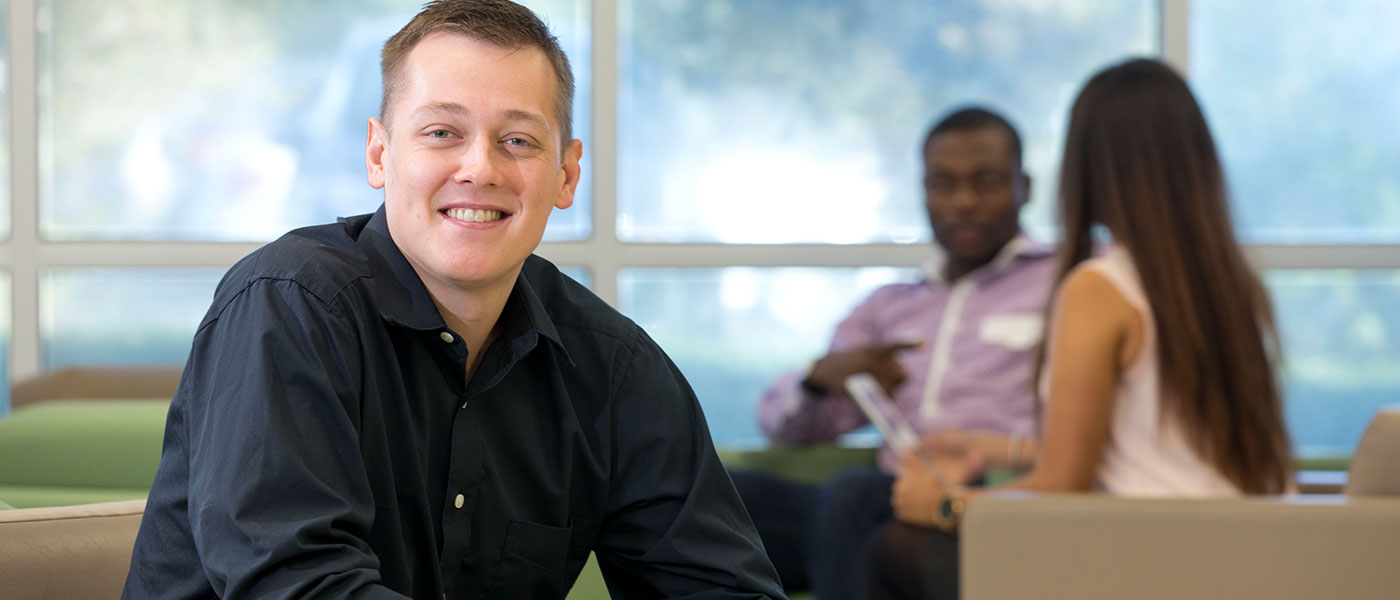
<point x="955" y="270"/>
<point x="474" y="314"/>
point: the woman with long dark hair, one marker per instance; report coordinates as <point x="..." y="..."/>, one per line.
<point x="1158" y="373"/>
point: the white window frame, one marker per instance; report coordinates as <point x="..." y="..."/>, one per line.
<point x="24" y="255"/>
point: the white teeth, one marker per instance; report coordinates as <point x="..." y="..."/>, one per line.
<point x="474" y="216"/>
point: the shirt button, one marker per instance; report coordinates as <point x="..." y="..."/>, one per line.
<point x="458" y="502"/>
<point x="446" y="337"/>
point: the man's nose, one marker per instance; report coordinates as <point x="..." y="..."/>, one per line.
<point x="479" y="163"/>
<point x="964" y="197"/>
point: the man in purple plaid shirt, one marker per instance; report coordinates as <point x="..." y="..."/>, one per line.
<point x="954" y="350"/>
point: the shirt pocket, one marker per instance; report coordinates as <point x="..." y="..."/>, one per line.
<point x="532" y="562"/>
<point x="1016" y="331"/>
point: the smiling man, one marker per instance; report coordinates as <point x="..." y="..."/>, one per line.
<point x="409" y="404"/>
<point x="954" y="350"/>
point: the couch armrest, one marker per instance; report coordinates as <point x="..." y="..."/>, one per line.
<point x="70" y="552"/>
<point x="97" y="382"/>
<point x="1096" y="546"/>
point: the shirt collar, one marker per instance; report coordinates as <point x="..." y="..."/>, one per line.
<point x="406" y="301"/>
<point x="534" y="315"/>
<point x="1020" y="246"/>
<point x="402" y="298"/>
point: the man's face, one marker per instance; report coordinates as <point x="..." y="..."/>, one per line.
<point x="473" y="163"/>
<point x="974" y="191"/>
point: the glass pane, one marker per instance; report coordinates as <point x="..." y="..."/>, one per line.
<point x="5" y="322"/>
<point x="578" y="273"/>
<point x="1341" y="344"/>
<point x="227" y="120"/>
<point x="733" y="330"/>
<point x="1304" y="109"/>
<point x="121" y="316"/>
<point x="129" y="316"/>
<point x="783" y="121"/>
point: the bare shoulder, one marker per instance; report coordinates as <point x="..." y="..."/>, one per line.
<point x="1087" y="296"/>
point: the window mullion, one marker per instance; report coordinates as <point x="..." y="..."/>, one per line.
<point x="24" y="188"/>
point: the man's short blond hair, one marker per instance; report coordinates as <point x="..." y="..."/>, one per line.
<point x="498" y="22"/>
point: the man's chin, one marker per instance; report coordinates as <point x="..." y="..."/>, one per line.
<point x="971" y="255"/>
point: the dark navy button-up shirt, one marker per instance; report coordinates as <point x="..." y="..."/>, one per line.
<point x="325" y="443"/>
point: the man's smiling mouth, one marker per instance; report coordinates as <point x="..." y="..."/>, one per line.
<point x="469" y="215"/>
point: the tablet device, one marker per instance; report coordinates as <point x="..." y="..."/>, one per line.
<point x="882" y="412"/>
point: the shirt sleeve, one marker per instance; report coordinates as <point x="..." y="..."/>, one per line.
<point x="279" y="501"/>
<point x="675" y="527"/>
<point x="790" y="414"/>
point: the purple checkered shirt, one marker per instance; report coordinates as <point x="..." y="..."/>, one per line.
<point x="972" y="371"/>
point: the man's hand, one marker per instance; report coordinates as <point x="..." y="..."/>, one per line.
<point x="830" y="372"/>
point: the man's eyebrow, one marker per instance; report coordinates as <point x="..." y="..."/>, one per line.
<point x="522" y="115"/>
<point x="451" y="108"/>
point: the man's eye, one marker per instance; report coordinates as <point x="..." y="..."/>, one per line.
<point x="518" y="141"/>
<point x="440" y="133"/>
<point x="991" y="180"/>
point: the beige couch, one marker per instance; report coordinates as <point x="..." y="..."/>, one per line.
<point x="1092" y="546"/>
<point x="96" y="382"/>
<point x="68" y="552"/>
<point x="1087" y="547"/>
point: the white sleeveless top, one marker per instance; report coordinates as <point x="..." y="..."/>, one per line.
<point x="1145" y="455"/>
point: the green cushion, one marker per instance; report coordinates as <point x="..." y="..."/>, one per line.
<point x="1324" y="463"/>
<point x="811" y="464"/>
<point x="82" y="443"/>
<point x="589" y="585"/>
<point x="807" y="464"/>
<point x="18" y="496"/>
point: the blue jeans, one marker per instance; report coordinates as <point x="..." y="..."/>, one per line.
<point x="816" y="536"/>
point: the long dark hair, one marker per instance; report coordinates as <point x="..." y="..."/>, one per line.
<point x="1140" y="160"/>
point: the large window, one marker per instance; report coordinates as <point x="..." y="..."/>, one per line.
<point x="121" y="316"/>
<point x="780" y="121"/>
<point x="1341" y="342"/>
<point x="225" y="119"/>
<point x="731" y="329"/>
<point x="1306" y="110"/>
<point x="751" y="166"/>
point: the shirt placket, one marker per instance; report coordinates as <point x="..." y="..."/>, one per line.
<point x="462" y="476"/>
<point x="941" y="361"/>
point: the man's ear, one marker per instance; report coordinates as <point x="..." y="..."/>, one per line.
<point x="375" y="143"/>
<point x="1023" y="190"/>
<point x="573" y="153"/>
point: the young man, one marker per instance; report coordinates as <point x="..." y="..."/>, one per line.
<point x="409" y="404"/>
<point x="954" y="350"/>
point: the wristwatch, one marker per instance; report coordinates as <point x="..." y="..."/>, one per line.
<point x="948" y="513"/>
<point x="807" y="383"/>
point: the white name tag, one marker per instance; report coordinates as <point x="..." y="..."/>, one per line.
<point x="1017" y="331"/>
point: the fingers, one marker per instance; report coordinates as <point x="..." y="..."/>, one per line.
<point x="947" y="442"/>
<point x="906" y="458"/>
<point x="887" y="371"/>
<point x="830" y="372"/>
<point x="892" y="348"/>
